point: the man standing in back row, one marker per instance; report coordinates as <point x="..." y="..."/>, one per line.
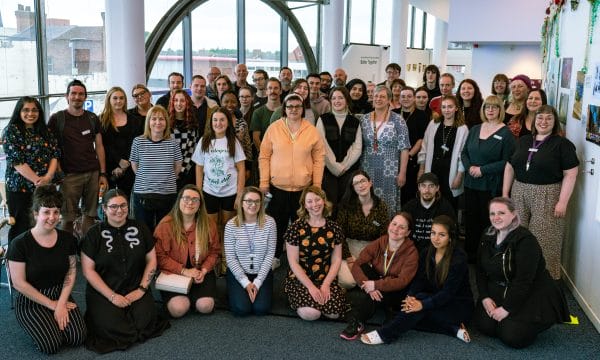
<point x="82" y="158"/>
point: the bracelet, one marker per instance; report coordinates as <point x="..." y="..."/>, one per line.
<point x="112" y="298"/>
<point x="144" y="289"/>
<point x="103" y="174"/>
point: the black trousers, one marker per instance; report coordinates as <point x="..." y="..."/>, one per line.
<point x="19" y="207"/>
<point x="282" y="208"/>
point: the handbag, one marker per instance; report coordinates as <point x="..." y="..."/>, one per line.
<point x="173" y="283"/>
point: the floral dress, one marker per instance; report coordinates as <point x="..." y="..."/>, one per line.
<point x="315" y="248"/>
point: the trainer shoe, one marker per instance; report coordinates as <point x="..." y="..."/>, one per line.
<point x="353" y="330"/>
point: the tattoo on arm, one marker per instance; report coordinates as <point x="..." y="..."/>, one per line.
<point x="151" y="275"/>
<point x="71" y="272"/>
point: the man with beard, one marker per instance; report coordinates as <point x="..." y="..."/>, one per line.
<point x="340" y="77"/>
<point x="285" y="77"/>
<point x="425" y="207"/>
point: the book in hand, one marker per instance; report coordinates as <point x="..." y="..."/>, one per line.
<point x="173" y="283"/>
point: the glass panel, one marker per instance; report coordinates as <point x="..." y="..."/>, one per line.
<point x="169" y="60"/>
<point x="75" y="36"/>
<point x="262" y="38"/>
<point x="360" y="21"/>
<point x="383" y="22"/>
<point x="94" y="103"/>
<point x="430" y="32"/>
<point x="154" y="10"/>
<point x="18" y="59"/>
<point x="214" y="37"/>
<point x="307" y="17"/>
<point x="409" y="26"/>
<point x="418" y="26"/>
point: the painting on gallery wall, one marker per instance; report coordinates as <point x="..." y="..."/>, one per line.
<point x="593" y="125"/>
<point x="563" y="105"/>
<point x="578" y="95"/>
<point x="596" y="81"/>
<point x="565" y="72"/>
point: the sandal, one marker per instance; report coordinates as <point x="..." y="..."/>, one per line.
<point x="463" y="334"/>
<point x="371" y="338"/>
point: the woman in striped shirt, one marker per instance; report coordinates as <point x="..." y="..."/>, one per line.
<point x="250" y="240"/>
<point x="156" y="160"/>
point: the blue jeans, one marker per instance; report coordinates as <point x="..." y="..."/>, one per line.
<point x="151" y="212"/>
<point x="239" y="301"/>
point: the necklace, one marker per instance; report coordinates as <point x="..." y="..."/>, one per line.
<point x="445" y="137"/>
<point x="251" y="242"/>
<point x="377" y="127"/>
<point x="386" y="263"/>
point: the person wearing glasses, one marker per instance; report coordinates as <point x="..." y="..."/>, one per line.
<point x="250" y="240"/>
<point x="118" y="260"/>
<point x="142" y="98"/>
<point x="32" y="155"/>
<point x="364" y="218"/>
<point x="259" y="78"/>
<point x="118" y="130"/>
<point x="156" y="160"/>
<point x="187" y="243"/>
<point x="488" y="147"/>
<point x="292" y="157"/>
<point x="299" y="87"/>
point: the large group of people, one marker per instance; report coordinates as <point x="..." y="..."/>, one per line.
<point x="361" y="188"/>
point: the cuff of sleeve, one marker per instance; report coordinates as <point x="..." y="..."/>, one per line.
<point x="257" y="283"/>
<point x="427" y="304"/>
<point x="245" y="282"/>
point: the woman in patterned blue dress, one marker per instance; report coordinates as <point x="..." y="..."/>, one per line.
<point x="385" y="149"/>
<point x="31" y="160"/>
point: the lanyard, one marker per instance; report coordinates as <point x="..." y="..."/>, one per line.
<point x="376" y="128"/>
<point x="386" y="263"/>
<point x="533" y="150"/>
<point x="250" y="238"/>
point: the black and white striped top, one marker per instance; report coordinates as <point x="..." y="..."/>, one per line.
<point x="156" y="165"/>
<point x="240" y="260"/>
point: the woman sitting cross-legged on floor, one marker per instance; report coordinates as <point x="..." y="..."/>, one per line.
<point x="250" y="240"/>
<point x="314" y="252"/>
<point x="384" y="269"/>
<point x="439" y="299"/>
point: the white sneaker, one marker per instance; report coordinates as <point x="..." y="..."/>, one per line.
<point x="276" y="263"/>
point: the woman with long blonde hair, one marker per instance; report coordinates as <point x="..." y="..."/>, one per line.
<point x="118" y="129"/>
<point x="187" y="244"/>
<point x="250" y="240"/>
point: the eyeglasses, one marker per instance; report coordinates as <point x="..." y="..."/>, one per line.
<point x="189" y="199"/>
<point x="33" y="111"/>
<point x="293" y="107"/>
<point x="115" y="207"/>
<point x="360" y="182"/>
<point x="258" y="79"/>
<point x="491" y="107"/>
<point x="139" y="95"/>
<point x="251" y="202"/>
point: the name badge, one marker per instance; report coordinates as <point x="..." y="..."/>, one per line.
<point x="85" y="132"/>
<point x="376" y="223"/>
<point x="498" y="137"/>
<point x="533" y="150"/>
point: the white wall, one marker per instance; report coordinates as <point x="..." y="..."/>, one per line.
<point x="582" y="246"/>
<point x="438" y="8"/>
<point x="510" y="21"/>
<point x="489" y="60"/>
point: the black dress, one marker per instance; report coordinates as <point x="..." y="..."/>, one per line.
<point x="440" y="166"/>
<point x="120" y="259"/>
<point x="514" y="275"/>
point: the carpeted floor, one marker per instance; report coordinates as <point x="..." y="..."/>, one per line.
<point x="284" y="336"/>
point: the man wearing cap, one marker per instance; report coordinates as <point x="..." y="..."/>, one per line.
<point x="427" y="206"/>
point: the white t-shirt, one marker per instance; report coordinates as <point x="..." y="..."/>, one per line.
<point x="220" y="173"/>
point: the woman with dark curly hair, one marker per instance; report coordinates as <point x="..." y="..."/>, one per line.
<point x="360" y="99"/>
